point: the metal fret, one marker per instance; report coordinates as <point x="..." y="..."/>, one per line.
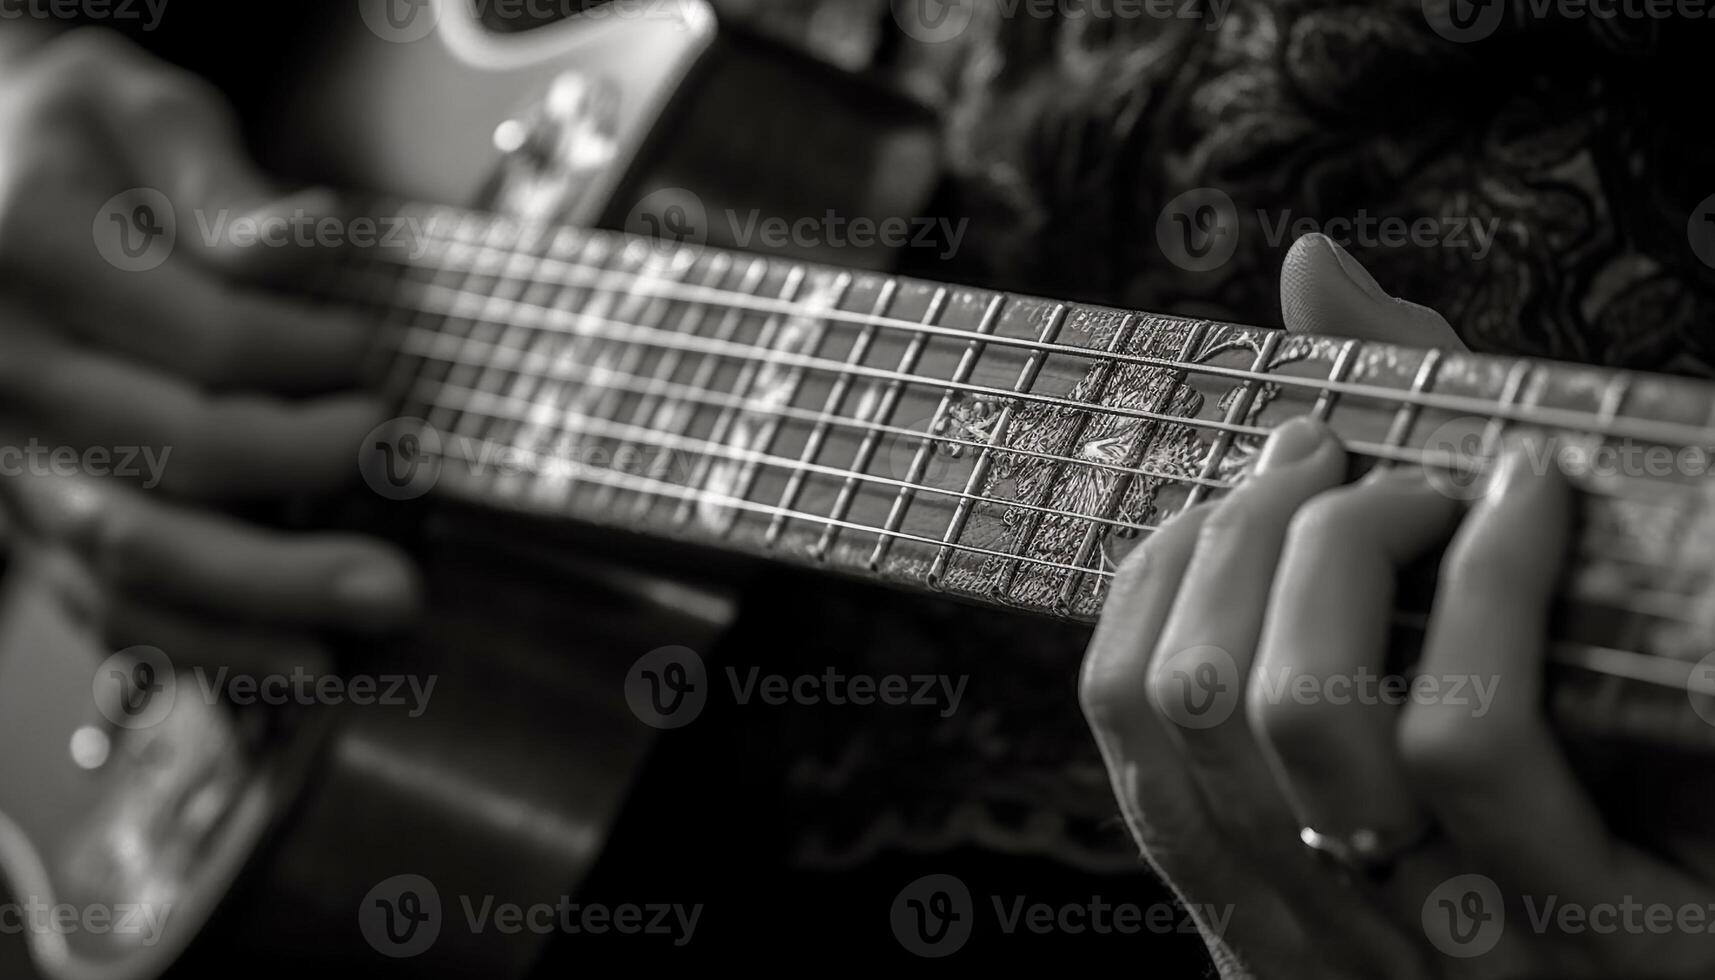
<point x="549" y="344"/>
<point x="1329" y="398"/>
<point x="1658" y="430"/>
<point x="493" y="370"/>
<point x="1240" y="407"/>
<point x="562" y="394"/>
<point x="1511" y="390"/>
<point x="690" y="321"/>
<point x="693" y="496"/>
<point x="884" y="413"/>
<point x="754" y="275"/>
<point x="500" y="407"/>
<point x="938" y="422"/>
<point x="1410" y="409"/>
<point x="771" y="428"/>
<point x="416" y="317"/>
<point x="1105" y="371"/>
<point x="1668" y="433"/>
<point x="426" y="346"/>
<point x="831" y="407"/>
<point x="1116" y="496"/>
<point x="631" y="357"/>
<point x="985" y="459"/>
<point x="494" y="236"/>
<point x="746" y="378"/>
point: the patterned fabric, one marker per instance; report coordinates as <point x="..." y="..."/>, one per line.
<point x="1581" y="141"/>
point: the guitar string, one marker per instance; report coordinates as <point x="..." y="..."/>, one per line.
<point x="1575" y="421"/>
<point x="422" y="343"/>
<point x="467" y="305"/>
<point x="579" y="424"/>
<point x="1661" y="605"/>
<point x="1627" y="664"/>
<point x="522" y="361"/>
<point x="600" y="280"/>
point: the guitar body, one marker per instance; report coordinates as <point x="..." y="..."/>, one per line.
<point x="1028" y="445"/>
<point x="506" y="787"/>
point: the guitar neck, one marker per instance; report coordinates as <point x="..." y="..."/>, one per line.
<point x="1004" y="449"/>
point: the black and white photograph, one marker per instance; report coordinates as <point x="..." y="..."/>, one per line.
<point x="539" y="489"/>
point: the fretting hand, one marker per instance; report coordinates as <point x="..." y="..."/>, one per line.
<point x="1447" y="835"/>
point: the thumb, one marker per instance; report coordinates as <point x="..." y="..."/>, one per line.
<point x="1323" y="290"/>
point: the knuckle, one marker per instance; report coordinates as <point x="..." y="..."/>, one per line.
<point x="83" y="48"/>
<point x="171" y="96"/>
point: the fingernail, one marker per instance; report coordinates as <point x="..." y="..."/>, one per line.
<point x="1292" y="441"/>
<point x="381" y="594"/>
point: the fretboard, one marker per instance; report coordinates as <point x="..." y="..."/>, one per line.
<point x="1000" y="448"/>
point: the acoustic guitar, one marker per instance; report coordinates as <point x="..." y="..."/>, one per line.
<point x="567" y="394"/>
